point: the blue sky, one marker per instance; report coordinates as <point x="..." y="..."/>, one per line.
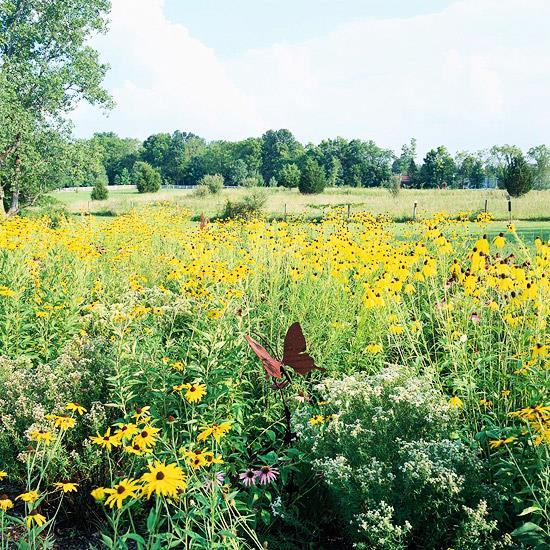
<point x="234" y="26"/>
<point x="464" y="73"/>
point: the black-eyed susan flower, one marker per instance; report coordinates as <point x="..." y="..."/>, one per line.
<point x="163" y="480"/>
<point x="127" y="488"/>
<point x="98" y="494"/>
<point x="3" y="474"/>
<point x="108" y="440"/>
<point x="146" y="437"/>
<point x="5" y="503"/>
<point x="66" y="487"/>
<point x="64" y="422"/>
<point x="29" y="496"/>
<point x="41" y="435"/>
<point x="217" y="431"/>
<point x="496" y="443"/>
<point x="35" y="517"/>
<point x="75" y="407"/>
<point x="455" y="402"/>
<point x="125" y="432"/>
<point x="194" y="393"/>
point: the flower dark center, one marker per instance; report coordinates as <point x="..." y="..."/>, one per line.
<point x="160" y="475"/>
<point x="250" y="474"/>
<point x="120" y="489"/>
<point x="144" y="433"/>
<point x="266" y="469"/>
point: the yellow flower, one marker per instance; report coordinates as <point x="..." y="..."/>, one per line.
<point x="64" y="422"/>
<point x="196" y="459"/>
<point x="35" y="517"/>
<point x="317" y="419"/>
<point x="194" y="393"/>
<point x="217" y="431"/>
<point x="455" y="402"/>
<point x="30" y="496"/>
<point x="98" y="494"/>
<point x="496" y="443"/>
<point x="374" y="349"/>
<point x="127" y="488"/>
<point x="211" y="458"/>
<point x="141" y="413"/>
<point x="397" y="329"/>
<point x="41" y="435"/>
<point x="164" y="480"/>
<point x="76" y="407"/>
<point x="146" y="437"/>
<point x="126" y="431"/>
<point x="67" y="487"/>
<point x="108" y="440"/>
<point x="5" y="503"/>
<point x="3" y="474"/>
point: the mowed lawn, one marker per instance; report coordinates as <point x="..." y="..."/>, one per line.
<point x="531" y="213"/>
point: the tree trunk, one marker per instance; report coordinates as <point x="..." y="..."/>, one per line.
<point x="2" y="209"/>
<point x="10" y="149"/>
<point x="14" y="208"/>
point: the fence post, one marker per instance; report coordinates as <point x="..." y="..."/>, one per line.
<point x="509" y="209"/>
<point x="414" y="211"/>
<point x="486" y="201"/>
<point x="285" y="210"/>
<point x="349" y="211"/>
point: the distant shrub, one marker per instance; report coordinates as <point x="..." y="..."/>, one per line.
<point x="213" y="182"/>
<point x="251" y="181"/>
<point x="249" y="206"/>
<point x="100" y="191"/>
<point x="393" y="185"/>
<point x="392" y="464"/>
<point x="146" y="177"/>
<point x="201" y="191"/>
<point x="273" y="182"/>
<point x="313" y="179"/>
<point x="517" y="177"/>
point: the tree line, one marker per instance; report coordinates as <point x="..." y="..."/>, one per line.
<point x="277" y="158"/>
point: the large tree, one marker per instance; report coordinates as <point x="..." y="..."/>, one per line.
<point x="540" y="155"/>
<point x="438" y="169"/>
<point x="46" y="69"/>
<point x="279" y="147"/>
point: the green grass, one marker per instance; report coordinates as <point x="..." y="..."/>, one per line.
<point x="533" y="207"/>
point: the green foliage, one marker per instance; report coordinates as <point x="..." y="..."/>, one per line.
<point x="289" y="176"/>
<point x="146" y="178"/>
<point x="249" y="206"/>
<point x="540" y="155"/>
<point x="100" y="191"/>
<point x="392" y="461"/>
<point x="438" y="169"/>
<point x="213" y="182"/>
<point x="517" y="177"/>
<point x="313" y="178"/>
<point x="393" y="185"/>
<point x="39" y="85"/>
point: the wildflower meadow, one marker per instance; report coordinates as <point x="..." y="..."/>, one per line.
<point x="150" y="399"/>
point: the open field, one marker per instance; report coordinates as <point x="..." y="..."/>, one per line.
<point x="533" y="206"/>
<point x="125" y="374"/>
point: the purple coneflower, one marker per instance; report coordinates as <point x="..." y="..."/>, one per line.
<point x="219" y="479"/>
<point x="267" y="474"/>
<point x="248" y="478"/>
<point x="475" y="317"/>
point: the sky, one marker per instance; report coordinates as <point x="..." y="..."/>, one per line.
<point x="464" y="73"/>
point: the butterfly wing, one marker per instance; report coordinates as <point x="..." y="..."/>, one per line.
<point x="295" y="355"/>
<point x="272" y="366"/>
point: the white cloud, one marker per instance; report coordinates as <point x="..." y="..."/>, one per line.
<point x="472" y="75"/>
